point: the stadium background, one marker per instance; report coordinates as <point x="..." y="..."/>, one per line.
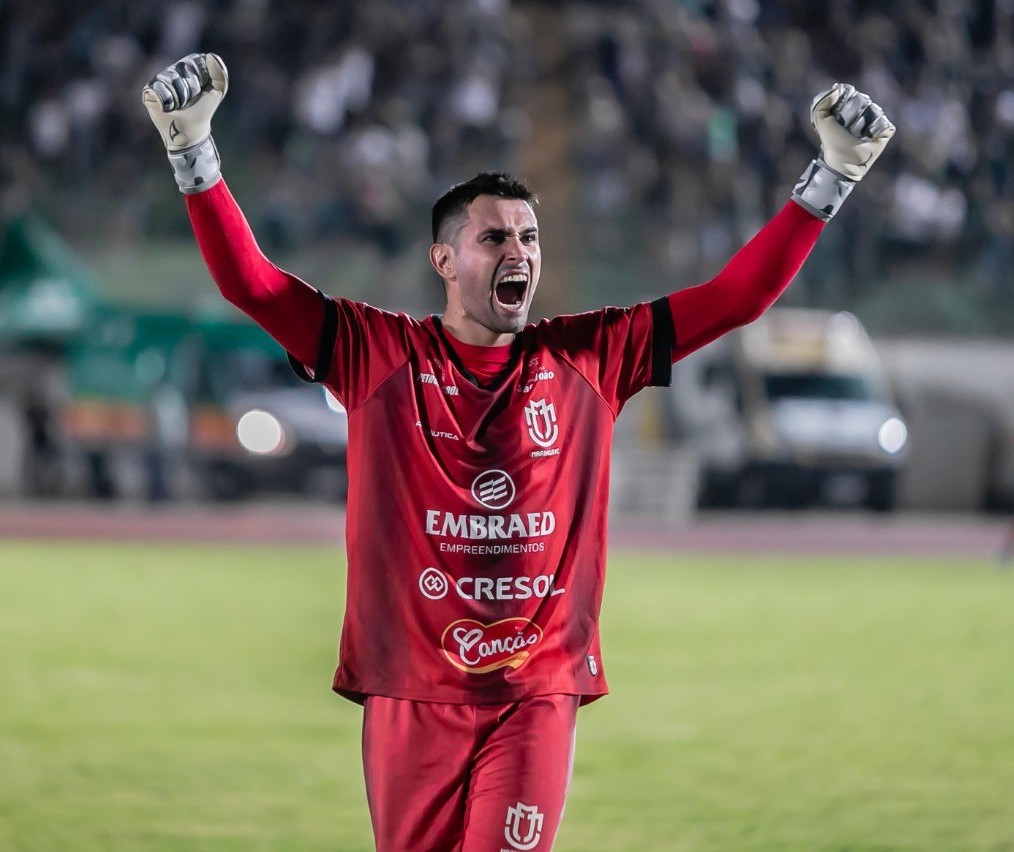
<point x="809" y="681"/>
<point x="660" y="136"/>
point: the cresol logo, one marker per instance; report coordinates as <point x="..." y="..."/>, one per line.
<point x="477" y="648"/>
<point x="433" y="584"/>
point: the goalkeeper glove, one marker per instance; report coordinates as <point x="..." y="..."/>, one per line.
<point x="181" y="99"/>
<point x="853" y="132"/>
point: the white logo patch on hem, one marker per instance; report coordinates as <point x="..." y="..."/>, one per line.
<point x="523" y="826"/>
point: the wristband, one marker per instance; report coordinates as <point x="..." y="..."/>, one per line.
<point x="196" y="168"/>
<point x="821" y="190"/>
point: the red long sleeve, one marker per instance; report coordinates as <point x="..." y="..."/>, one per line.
<point x="748" y="285"/>
<point x="289" y="309"/>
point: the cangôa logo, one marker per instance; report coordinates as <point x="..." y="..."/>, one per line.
<point x="477" y="648"/>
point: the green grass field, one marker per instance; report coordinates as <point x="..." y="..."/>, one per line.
<point x="177" y="698"/>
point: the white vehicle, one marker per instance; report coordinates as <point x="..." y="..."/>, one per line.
<point x="793" y="409"/>
<point x="266" y="430"/>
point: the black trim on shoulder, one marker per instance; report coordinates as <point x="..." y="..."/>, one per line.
<point x="663" y="338"/>
<point x="325" y="348"/>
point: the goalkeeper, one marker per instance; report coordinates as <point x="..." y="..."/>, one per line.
<point x="478" y="467"/>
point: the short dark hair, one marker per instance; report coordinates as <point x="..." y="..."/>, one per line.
<point x="455" y="201"/>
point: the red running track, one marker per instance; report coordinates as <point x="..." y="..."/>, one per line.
<point x="320" y="524"/>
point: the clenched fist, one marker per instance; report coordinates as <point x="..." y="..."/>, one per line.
<point x="181" y="99"/>
<point x="853" y="130"/>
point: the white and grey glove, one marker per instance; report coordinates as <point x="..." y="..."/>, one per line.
<point x="181" y="99"/>
<point x="853" y="132"/>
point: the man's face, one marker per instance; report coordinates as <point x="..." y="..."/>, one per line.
<point x="495" y="265"/>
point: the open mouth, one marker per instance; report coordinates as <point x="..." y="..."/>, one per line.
<point x="510" y="290"/>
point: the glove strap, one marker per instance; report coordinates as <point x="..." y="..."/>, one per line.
<point x="196" y="168"/>
<point x="821" y="190"/>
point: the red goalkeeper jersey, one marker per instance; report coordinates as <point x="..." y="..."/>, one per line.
<point x="476" y="526"/>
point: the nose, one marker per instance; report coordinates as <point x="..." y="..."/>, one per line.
<point x="515" y="249"/>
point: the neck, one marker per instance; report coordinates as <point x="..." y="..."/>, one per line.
<point x="469" y="331"/>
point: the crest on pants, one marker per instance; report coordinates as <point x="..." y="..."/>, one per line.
<point x="523" y="828"/>
<point x="540" y="416"/>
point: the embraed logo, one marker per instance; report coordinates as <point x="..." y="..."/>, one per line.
<point x="493" y="489"/>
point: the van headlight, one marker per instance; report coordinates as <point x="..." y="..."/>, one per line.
<point x="260" y="433"/>
<point x="893" y="436"/>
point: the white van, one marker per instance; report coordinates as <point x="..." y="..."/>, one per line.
<point x="791" y="410"/>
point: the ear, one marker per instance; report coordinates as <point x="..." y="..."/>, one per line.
<point x="442" y="260"/>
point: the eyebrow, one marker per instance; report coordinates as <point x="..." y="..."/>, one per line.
<point x="502" y="232"/>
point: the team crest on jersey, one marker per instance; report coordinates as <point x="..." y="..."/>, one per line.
<point x="478" y="648"/>
<point x="540" y="417"/>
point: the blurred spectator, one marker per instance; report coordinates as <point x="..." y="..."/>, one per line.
<point x="713" y="94"/>
<point x="687" y="120"/>
<point x="42" y="461"/>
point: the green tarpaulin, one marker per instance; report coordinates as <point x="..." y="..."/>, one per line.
<point x="46" y="293"/>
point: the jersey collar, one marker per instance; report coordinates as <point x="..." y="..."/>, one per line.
<point x="496" y="381"/>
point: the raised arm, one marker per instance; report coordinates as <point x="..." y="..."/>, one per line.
<point x="853" y="132"/>
<point x="181" y="100"/>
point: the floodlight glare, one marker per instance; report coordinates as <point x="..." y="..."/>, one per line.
<point x="260" y="433"/>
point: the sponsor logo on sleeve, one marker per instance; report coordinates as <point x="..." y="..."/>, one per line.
<point x="477" y="648"/>
<point x="523" y="826"/>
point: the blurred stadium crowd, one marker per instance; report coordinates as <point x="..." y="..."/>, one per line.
<point x="685" y="126"/>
